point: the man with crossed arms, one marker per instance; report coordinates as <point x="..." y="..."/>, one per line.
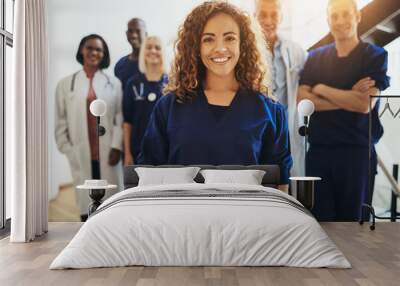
<point x="340" y="78"/>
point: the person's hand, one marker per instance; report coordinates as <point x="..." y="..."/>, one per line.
<point x="364" y="84"/>
<point x="114" y="157"/>
<point x="128" y="159"/>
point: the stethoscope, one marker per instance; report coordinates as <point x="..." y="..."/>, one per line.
<point x="72" y="88"/>
<point x="139" y="95"/>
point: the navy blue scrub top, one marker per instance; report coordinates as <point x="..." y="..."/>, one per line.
<point x="125" y="69"/>
<point x="136" y="106"/>
<point x="341" y="127"/>
<point x="218" y="111"/>
<point x="253" y="130"/>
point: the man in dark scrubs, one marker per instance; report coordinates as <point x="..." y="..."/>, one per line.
<point x="340" y="78"/>
<point x="128" y="65"/>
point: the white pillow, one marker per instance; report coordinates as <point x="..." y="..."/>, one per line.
<point x="248" y="177"/>
<point x="165" y="176"/>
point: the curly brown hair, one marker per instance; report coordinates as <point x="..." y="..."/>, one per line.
<point x="188" y="70"/>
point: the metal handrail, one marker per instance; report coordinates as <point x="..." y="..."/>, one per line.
<point x="392" y="180"/>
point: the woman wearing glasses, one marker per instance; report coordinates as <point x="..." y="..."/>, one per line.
<point x="75" y="130"/>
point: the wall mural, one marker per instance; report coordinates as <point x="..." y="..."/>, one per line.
<point x="222" y="89"/>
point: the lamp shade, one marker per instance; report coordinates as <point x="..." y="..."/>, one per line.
<point x="98" y="107"/>
<point x="305" y="107"/>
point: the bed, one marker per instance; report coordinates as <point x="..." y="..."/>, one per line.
<point x="201" y="224"/>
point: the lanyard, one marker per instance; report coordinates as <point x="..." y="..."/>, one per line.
<point x="138" y="96"/>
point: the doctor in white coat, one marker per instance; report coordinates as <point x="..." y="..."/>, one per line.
<point x="288" y="59"/>
<point x="75" y="129"/>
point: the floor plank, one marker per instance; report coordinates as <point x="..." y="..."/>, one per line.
<point x="63" y="208"/>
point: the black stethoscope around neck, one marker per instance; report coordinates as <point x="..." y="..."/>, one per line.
<point x="72" y="88"/>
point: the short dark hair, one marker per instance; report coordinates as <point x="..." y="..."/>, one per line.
<point x="138" y="20"/>
<point x="105" y="63"/>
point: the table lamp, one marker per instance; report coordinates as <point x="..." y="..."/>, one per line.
<point x="305" y="185"/>
<point x="305" y="108"/>
<point x="98" y="108"/>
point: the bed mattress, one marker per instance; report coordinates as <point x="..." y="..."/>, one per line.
<point x="201" y="225"/>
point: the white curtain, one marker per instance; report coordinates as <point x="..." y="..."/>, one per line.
<point x="27" y="123"/>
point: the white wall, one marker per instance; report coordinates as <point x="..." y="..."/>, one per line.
<point x="70" y="20"/>
<point x="388" y="147"/>
<point x="305" y="21"/>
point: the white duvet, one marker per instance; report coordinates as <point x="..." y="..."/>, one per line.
<point x="183" y="231"/>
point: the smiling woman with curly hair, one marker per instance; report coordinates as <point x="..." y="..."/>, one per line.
<point x="217" y="110"/>
<point x="188" y="71"/>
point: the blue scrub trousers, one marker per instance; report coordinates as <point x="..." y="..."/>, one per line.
<point x="344" y="186"/>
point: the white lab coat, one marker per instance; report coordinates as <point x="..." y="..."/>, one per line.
<point x="71" y="129"/>
<point x="294" y="58"/>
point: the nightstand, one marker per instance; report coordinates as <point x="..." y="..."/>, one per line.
<point x="97" y="190"/>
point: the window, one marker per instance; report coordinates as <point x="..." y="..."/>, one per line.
<point x="6" y="43"/>
<point x="9" y="13"/>
<point x="7" y="89"/>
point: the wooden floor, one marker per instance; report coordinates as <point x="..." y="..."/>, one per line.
<point x="63" y="207"/>
<point x="375" y="256"/>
